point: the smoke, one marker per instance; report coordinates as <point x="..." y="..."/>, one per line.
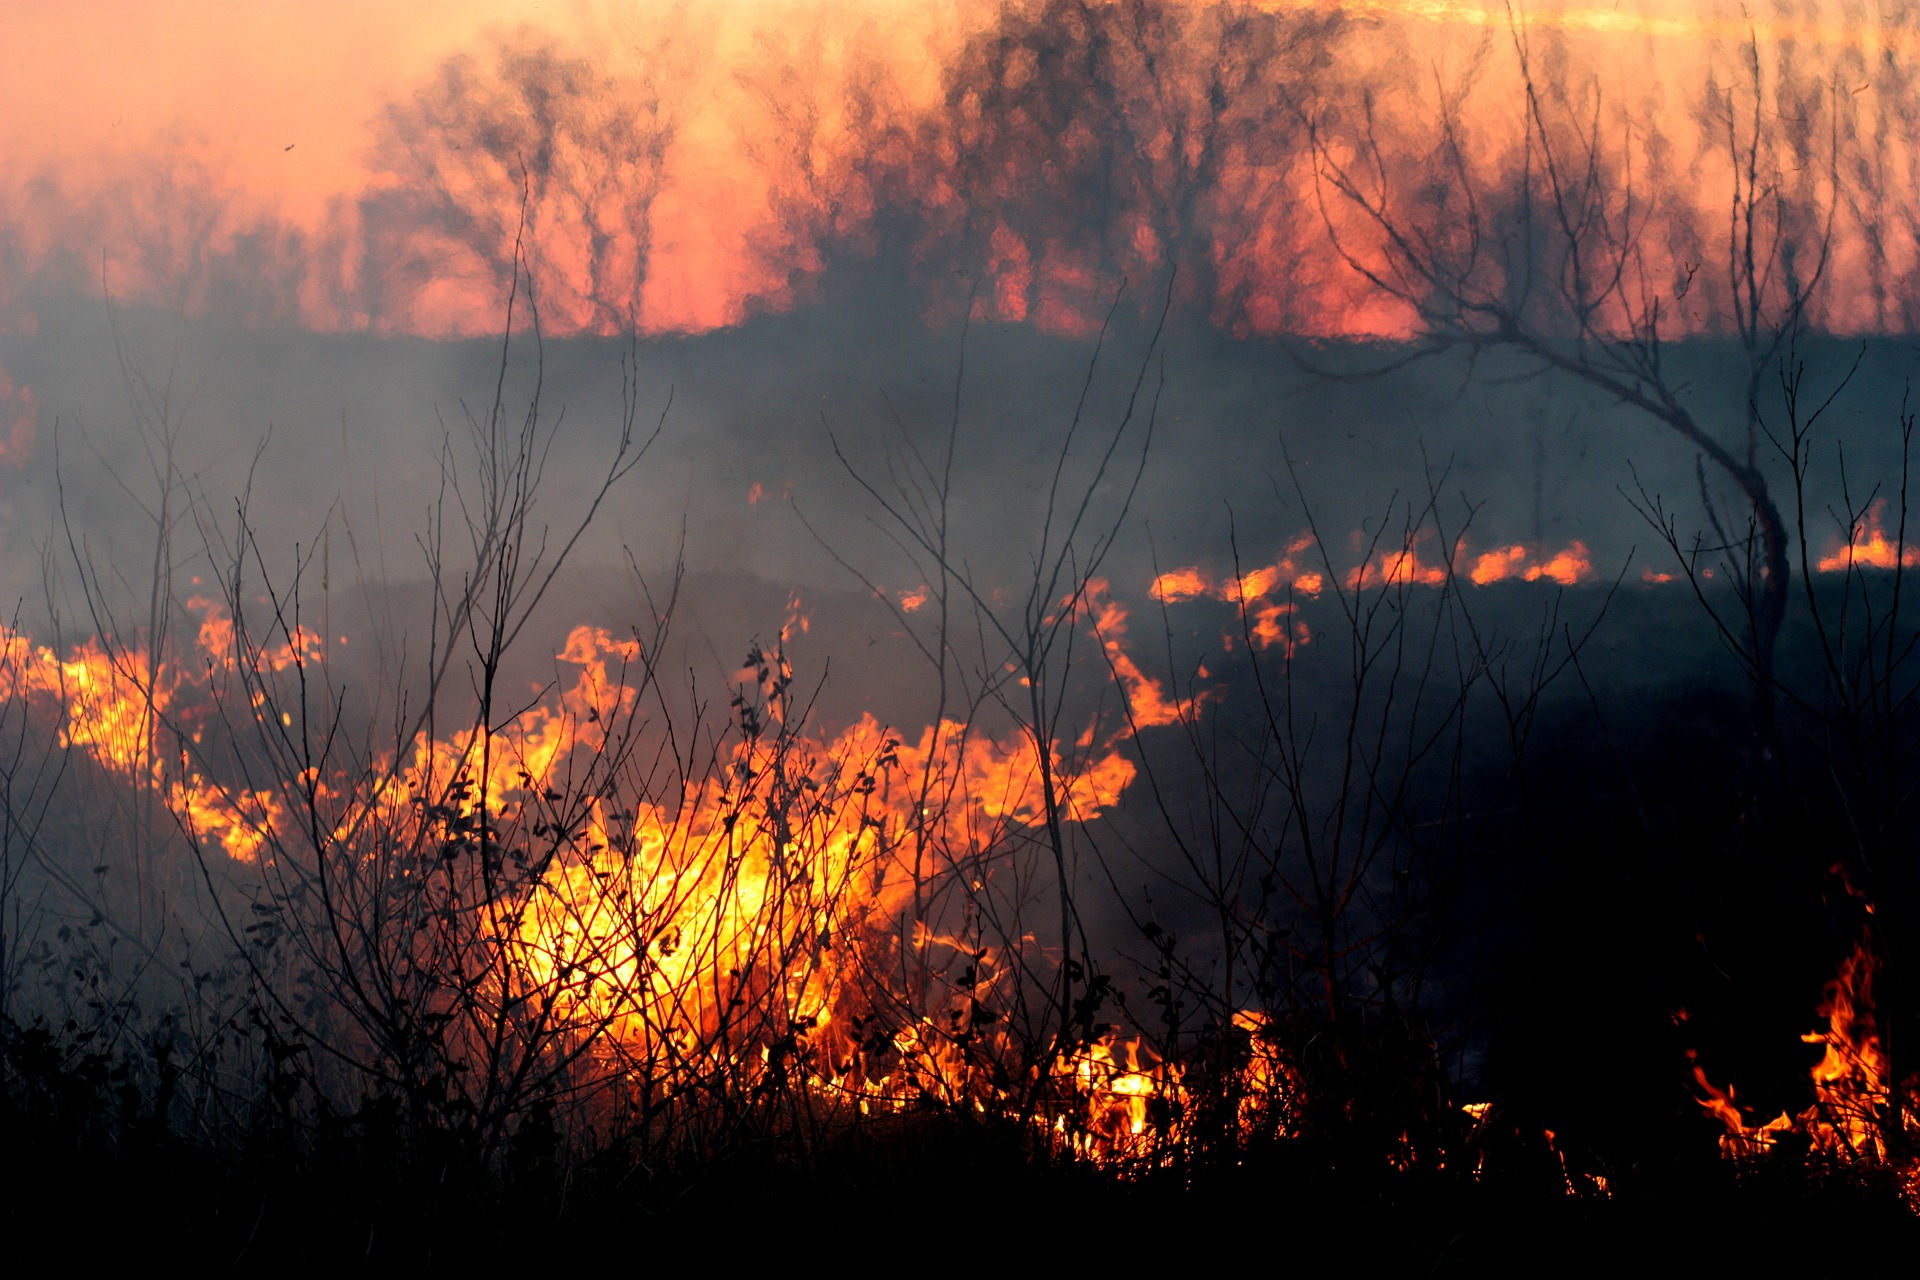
<point x="832" y="245"/>
<point x="18" y="422"/>
<point x="538" y="156"/>
<point x="950" y="337"/>
<point x="845" y="192"/>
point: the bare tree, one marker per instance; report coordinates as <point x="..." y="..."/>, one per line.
<point x="1075" y="145"/>
<point x="539" y="135"/>
<point x="1556" y="247"/>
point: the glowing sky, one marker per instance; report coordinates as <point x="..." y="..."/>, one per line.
<point x="278" y="98"/>
<point x="243" y="80"/>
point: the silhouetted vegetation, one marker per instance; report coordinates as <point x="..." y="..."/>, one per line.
<point x="1373" y="877"/>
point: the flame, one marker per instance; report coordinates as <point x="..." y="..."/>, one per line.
<point x="1274" y="623"/>
<point x="1869" y="547"/>
<point x="781" y="882"/>
<point x="1568" y="567"/>
<point x="216" y="639"/>
<point x="756" y="920"/>
<point x="1853" y="1089"/>
<point x="1148" y="705"/>
<point x="111" y="700"/>
<point x="1397" y="567"/>
<point x="1404" y="566"/>
<point x="1180" y="584"/>
<point x="1268" y="626"/>
<point x="1268" y="622"/>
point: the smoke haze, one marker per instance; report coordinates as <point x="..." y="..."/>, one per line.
<point x="1224" y="316"/>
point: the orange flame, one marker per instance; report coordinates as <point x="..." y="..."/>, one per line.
<point x="1148" y="704"/>
<point x="1852" y="1085"/>
<point x="1568" y="567"/>
<point x="1267" y="621"/>
<point x="653" y="918"/>
<point x="1869" y="547"/>
<point x="1400" y="568"/>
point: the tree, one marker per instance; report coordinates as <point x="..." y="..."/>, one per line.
<point x="1553" y="247"/>
<point x="538" y="135"/>
<point x="1581" y="245"/>
<point x="1074" y="145"/>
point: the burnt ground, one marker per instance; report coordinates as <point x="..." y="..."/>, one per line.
<point x="952" y="1197"/>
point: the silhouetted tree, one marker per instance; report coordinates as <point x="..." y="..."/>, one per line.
<point x="1074" y="144"/>
<point x="539" y="137"/>
<point x="1546" y="243"/>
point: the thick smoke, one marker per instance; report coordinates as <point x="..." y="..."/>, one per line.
<point x="1118" y="290"/>
<point x="1206" y="195"/>
<point x="1094" y="207"/>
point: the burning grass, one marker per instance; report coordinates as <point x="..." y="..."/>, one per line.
<point x="533" y="915"/>
<point x="578" y="940"/>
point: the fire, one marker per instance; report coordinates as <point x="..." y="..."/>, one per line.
<point x="1180" y="584"/>
<point x="1148" y="706"/>
<point x="758" y="919"/>
<point x="1275" y="623"/>
<point x="1403" y="566"/>
<point x="1269" y="622"/>
<point x="216" y="639"/>
<point x="1397" y="568"/>
<point x="1869" y="547"/>
<point x="1568" y="567"/>
<point x="1118" y="1091"/>
<point x="767" y="919"/>
<point x="1854" y="1092"/>
<point x="112" y="702"/>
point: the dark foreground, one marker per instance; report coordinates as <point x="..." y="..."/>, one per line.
<point x="917" y="1192"/>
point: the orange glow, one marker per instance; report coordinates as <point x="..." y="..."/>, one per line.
<point x="1148" y="705"/>
<point x="1401" y="568"/>
<point x="1495" y="565"/>
<point x="1568" y="567"/>
<point x="1269" y="628"/>
<point x="1852" y="1084"/>
<point x="1180" y="584"/>
<point x="1870" y="547"/>
<point x="1270" y="622"/>
<point x="127" y="152"/>
<point x="784" y="873"/>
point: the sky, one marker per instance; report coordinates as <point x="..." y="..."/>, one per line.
<point x="280" y="102"/>
<point x="279" y="99"/>
<point x="244" y="82"/>
<point x="246" y="79"/>
<point x="84" y="84"/>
